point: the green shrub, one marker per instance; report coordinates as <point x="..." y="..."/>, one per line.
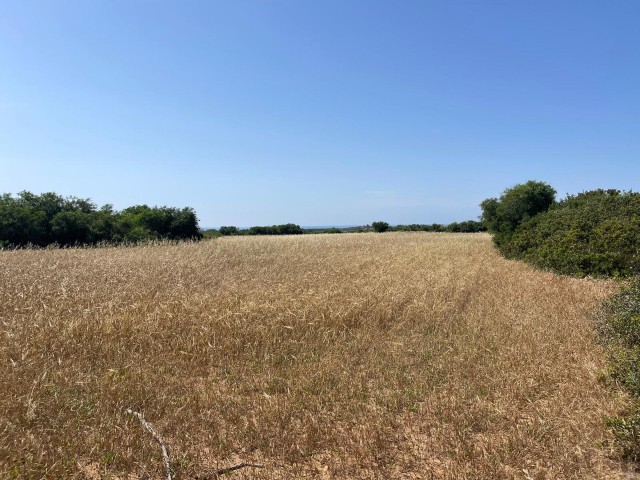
<point x="620" y="316"/>
<point x="627" y="431"/>
<point x="593" y="233"/>
<point x="619" y="328"/>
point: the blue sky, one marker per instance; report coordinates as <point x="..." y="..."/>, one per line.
<point x="317" y="112"/>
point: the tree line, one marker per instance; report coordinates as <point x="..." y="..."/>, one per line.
<point x="285" y="229"/>
<point x="48" y="218"/>
<point x="51" y="219"/>
<point x="468" y="226"/>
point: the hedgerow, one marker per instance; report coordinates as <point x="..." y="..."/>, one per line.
<point x="595" y="233"/>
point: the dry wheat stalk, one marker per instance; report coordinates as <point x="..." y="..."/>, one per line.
<point x="351" y="356"/>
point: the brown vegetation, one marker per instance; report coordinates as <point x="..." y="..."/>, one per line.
<point x="404" y="355"/>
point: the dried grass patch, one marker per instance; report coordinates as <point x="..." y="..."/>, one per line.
<point x="404" y="355"/>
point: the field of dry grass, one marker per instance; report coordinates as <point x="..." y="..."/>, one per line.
<point x="408" y="356"/>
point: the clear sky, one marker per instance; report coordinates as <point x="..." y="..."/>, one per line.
<point x="327" y="112"/>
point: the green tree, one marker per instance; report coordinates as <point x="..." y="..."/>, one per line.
<point x="104" y="224"/>
<point x="288" y="229"/>
<point x="515" y="206"/>
<point x="163" y="222"/>
<point x="20" y="224"/>
<point x="184" y="224"/>
<point x="72" y="227"/>
<point x="380" y="227"/>
<point x="260" y="230"/>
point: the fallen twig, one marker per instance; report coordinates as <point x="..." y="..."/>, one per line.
<point x="222" y="471"/>
<point x="165" y="453"/>
<point x="147" y="426"/>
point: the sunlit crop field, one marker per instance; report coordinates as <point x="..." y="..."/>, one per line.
<point x="409" y="356"/>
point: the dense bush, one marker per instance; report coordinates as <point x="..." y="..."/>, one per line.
<point x="620" y="320"/>
<point x="45" y="219"/>
<point x="502" y="216"/>
<point x="592" y="233"/>
<point x="619" y="325"/>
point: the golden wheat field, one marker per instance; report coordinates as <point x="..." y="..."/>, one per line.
<point x="354" y="356"/>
